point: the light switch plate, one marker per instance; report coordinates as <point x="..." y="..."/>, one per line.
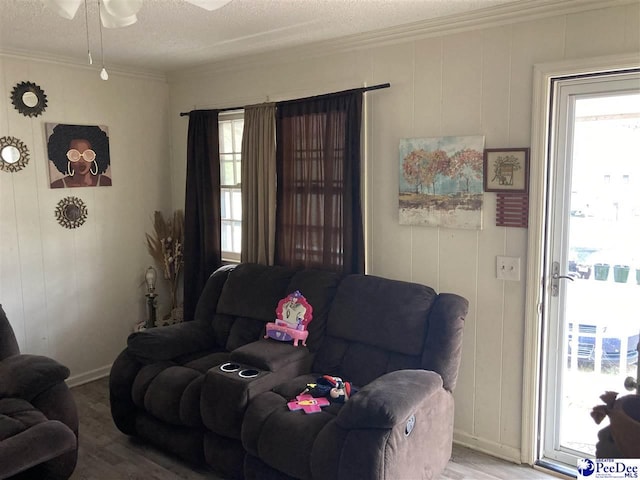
<point x="508" y="268"/>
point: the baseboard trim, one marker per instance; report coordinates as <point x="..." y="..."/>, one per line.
<point x="90" y="376"/>
<point x="486" y="446"/>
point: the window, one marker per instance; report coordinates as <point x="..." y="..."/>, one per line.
<point x="231" y="126"/>
<point x="318" y="218"/>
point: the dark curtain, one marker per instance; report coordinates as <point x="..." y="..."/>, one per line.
<point x="202" y="249"/>
<point x="318" y="217"/>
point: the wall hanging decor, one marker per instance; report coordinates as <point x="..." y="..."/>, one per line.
<point x="78" y="155"/>
<point x="71" y="212"/>
<point x="14" y="155"/>
<point x="506" y="170"/>
<point x="441" y="181"/>
<point x="512" y="210"/>
<point x="29" y="99"/>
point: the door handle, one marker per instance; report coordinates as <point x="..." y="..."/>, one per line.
<point x="555" y="277"/>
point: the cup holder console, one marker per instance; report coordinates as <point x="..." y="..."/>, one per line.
<point x="248" y="373"/>
<point x="243" y="372"/>
<point x="229" y="367"/>
<point x="229" y="386"/>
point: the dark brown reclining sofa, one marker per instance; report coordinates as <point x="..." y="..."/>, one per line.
<point x="38" y="415"/>
<point x="213" y="390"/>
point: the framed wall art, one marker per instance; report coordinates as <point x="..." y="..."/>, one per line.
<point x="441" y="182"/>
<point x="506" y="170"/>
<point x="78" y="155"/>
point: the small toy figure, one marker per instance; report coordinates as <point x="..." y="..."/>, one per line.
<point x="293" y="314"/>
<point x="307" y="403"/>
<point x="335" y="388"/>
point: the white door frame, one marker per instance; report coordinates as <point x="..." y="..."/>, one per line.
<point x="541" y="144"/>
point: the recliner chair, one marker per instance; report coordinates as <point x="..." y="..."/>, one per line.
<point x="38" y="415"/>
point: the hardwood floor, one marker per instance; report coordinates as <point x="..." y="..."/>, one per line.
<point x="107" y="454"/>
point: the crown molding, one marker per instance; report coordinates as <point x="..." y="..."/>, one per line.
<point x="73" y="62"/>
<point x="516" y="12"/>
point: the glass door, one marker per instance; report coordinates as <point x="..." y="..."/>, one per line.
<point x="592" y="293"/>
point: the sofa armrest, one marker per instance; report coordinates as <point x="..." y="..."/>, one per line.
<point x="379" y="430"/>
<point x="27" y="376"/>
<point x="38" y="444"/>
<point x="389" y="400"/>
<point x="165" y="343"/>
<point x="271" y="355"/>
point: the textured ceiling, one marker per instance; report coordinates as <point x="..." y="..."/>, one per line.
<point x="173" y="34"/>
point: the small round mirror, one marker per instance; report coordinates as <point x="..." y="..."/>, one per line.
<point x="71" y="212"/>
<point x="14" y="154"/>
<point x="29" y="99"/>
<point x="10" y="154"/>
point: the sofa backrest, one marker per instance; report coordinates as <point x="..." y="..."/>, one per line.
<point x="319" y="288"/>
<point x="238" y="301"/>
<point x="8" y="343"/>
<point x="378" y="325"/>
<point x="247" y="302"/>
<point x="443" y="345"/>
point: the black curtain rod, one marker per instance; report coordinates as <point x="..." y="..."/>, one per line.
<point x="361" y="89"/>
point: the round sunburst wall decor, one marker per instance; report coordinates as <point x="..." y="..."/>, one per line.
<point x="71" y="212"/>
<point x="29" y="99"/>
<point x="14" y="155"/>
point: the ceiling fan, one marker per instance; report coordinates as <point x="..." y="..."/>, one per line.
<point x="119" y="13"/>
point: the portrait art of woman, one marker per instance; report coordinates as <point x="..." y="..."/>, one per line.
<point x="78" y="156"/>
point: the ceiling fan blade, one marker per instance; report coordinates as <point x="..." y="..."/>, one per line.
<point x="209" y="4"/>
<point x="111" y="21"/>
<point x="122" y="8"/>
<point x="64" y="8"/>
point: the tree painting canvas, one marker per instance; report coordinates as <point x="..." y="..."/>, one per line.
<point x="441" y="181"/>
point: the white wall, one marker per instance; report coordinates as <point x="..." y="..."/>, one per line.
<point x="75" y="294"/>
<point x="469" y="83"/>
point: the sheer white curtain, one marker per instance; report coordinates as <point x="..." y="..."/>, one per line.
<point x="259" y="184"/>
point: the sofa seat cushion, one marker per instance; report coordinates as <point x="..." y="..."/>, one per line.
<point x="28" y="438"/>
<point x="16" y="416"/>
<point x="171" y="392"/>
<point x="290" y="389"/>
<point x="294" y="386"/>
<point x="375" y="434"/>
<point x="208" y="361"/>
<point x="268" y="418"/>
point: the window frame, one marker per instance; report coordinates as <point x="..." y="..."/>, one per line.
<point x="236" y="161"/>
